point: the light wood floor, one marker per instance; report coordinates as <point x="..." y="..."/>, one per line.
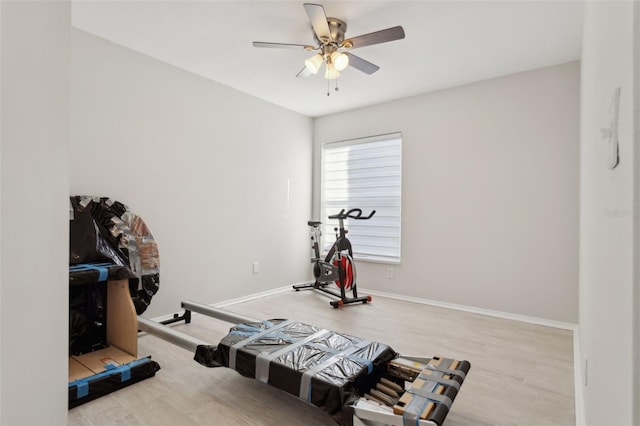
<point x="521" y="374"/>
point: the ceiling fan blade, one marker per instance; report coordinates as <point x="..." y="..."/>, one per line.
<point x="318" y="20"/>
<point x="283" y="45"/>
<point x="304" y="72"/>
<point x="361" y="65"/>
<point x="382" y="36"/>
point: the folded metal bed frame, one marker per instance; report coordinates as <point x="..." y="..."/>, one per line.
<point x="356" y="381"/>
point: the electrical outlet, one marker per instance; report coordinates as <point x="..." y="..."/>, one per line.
<point x="389" y="273"/>
<point x="256" y="267"/>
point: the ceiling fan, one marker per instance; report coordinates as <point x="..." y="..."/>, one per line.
<point x="328" y="34"/>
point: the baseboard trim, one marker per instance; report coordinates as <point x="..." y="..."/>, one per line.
<point x="475" y="310"/>
<point x="465" y="308"/>
<point x="472" y="309"/>
<point x="250" y="297"/>
<point x="235" y="301"/>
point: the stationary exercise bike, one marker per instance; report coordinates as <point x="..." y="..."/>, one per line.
<point x="337" y="267"/>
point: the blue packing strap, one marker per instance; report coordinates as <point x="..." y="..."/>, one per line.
<point x="125" y="374"/>
<point x="86" y="266"/>
<point x="124" y="371"/>
<point x="82" y="390"/>
<point x="102" y="268"/>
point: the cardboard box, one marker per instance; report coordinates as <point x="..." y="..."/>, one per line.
<point x="122" y="335"/>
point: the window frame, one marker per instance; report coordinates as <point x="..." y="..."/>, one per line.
<point x="328" y="238"/>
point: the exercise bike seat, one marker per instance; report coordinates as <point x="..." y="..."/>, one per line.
<point x="314" y="223"/>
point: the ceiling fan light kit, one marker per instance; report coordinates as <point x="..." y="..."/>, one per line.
<point x="329" y="36"/>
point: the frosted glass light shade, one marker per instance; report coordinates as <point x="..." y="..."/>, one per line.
<point x="314" y="63"/>
<point x="330" y="72"/>
<point x="340" y="60"/>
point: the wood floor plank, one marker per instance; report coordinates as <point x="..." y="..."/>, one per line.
<point x="521" y="374"/>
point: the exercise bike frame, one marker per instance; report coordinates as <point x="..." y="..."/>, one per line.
<point x="325" y="272"/>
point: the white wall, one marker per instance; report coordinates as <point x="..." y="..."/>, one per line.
<point x="223" y="179"/>
<point x="34" y="215"/>
<point x="607" y="216"/>
<point x="490" y="192"/>
<point x="636" y="136"/>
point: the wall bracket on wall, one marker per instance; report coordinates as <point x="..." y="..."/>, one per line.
<point x="611" y="134"/>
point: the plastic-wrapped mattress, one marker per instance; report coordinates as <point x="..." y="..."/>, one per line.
<point x="323" y="367"/>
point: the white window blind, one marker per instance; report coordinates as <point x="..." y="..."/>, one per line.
<point x="367" y="174"/>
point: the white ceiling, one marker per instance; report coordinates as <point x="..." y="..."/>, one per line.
<point x="448" y="43"/>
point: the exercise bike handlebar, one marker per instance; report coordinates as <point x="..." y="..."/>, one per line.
<point x="352" y="214"/>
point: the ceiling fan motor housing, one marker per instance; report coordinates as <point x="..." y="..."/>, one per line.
<point x="337" y="28"/>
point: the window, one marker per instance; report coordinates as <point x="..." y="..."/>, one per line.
<point x="364" y="173"/>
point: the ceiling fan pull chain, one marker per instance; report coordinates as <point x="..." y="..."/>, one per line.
<point x="336" y="85"/>
<point x="328" y="93"/>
